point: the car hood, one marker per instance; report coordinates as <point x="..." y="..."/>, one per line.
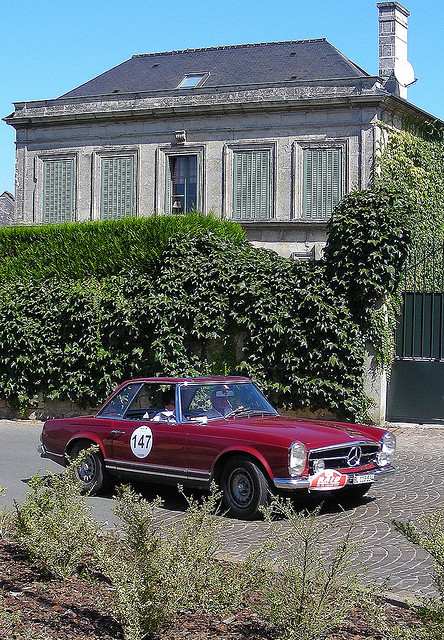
<point x="312" y="433"/>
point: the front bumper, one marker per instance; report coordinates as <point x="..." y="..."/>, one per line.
<point x="303" y="482"/>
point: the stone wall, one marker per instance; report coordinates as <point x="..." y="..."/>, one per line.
<point x="6" y="209"/>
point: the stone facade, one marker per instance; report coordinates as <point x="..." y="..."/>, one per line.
<point x="6" y="209"/>
<point x="283" y="121"/>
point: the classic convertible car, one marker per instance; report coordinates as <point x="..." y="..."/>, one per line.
<point x="192" y="431"/>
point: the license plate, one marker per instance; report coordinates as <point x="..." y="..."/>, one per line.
<point x="364" y="479"/>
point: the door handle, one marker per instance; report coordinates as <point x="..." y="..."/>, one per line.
<point x="116" y="432"/>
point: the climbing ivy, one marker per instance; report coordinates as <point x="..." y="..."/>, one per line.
<point x="368" y="241"/>
<point x="209" y="306"/>
<point x="194" y="297"/>
<point x="413" y="165"/>
<point x="411" y="162"/>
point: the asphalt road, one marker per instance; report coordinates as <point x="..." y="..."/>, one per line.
<point x="417" y="486"/>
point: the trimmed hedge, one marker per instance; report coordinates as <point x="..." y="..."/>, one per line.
<point x="99" y="249"/>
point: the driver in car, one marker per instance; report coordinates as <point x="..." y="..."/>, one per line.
<point x="168" y="398"/>
<point x="219" y="399"/>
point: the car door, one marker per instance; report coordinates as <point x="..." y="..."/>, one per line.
<point x="156" y="449"/>
<point x="146" y="446"/>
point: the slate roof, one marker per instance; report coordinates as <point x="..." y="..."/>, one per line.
<point x="237" y="65"/>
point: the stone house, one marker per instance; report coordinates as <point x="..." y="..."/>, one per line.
<point x="6" y="209"/>
<point x="271" y="135"/>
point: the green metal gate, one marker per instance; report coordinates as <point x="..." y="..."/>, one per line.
<point x="416" y="389"/>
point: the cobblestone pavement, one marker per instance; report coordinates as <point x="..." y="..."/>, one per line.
<point x="416" y="487"/>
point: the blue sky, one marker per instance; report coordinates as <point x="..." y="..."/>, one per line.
<point x="49" y="47"/>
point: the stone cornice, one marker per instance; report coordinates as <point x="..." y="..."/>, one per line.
<point x="307" y="96"/>
<point x="174" y="104"/>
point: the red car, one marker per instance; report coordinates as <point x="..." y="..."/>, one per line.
<point x="192" y="431"/>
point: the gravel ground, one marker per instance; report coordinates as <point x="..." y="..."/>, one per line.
<point x="34" y="607"/>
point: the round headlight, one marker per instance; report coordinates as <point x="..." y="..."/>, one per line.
<point x="388" y="449"/>
<point x="297" y="459"/>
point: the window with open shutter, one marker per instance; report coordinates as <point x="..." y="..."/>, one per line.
<point x="58" y="190"/>
<point x="117" y="187"/>
<point x="251" y="188"/>
<point x="322" y="188"/>
<point x="182" y="188"/>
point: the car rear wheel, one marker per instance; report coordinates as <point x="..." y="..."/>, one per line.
<point x="244" y="488"/>
<point x="91" y="473"/>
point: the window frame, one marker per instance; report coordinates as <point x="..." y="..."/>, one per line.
<point x="300" y="147"/>
<point x="202" y="75"/>
<point x="44" y="161"/>
<point x="230" y="152"/>
<point x="169" y="183"/>
<point x="163" y="155"/>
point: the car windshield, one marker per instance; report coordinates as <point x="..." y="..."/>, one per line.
<point x="213" y="401"/>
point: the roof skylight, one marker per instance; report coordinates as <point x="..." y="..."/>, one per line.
<point x="192" y="80"/>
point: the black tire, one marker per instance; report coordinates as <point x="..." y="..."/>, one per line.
<point x="244" y="488"/>
<point x="91" y="474"/>
<point x="354" y="492"/>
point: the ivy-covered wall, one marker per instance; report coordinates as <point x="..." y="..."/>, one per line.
<point x="412" y="163"/>
<point x="83" y="307"/>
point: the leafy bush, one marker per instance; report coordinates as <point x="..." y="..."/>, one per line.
<point x="156" y="571"/>
<point x="311" y="590"/>
<point x="428" y="534"/>
<point x="368" y="241"/>
<point x="6" y="519"/>
<point x="54" y="524"/>
<point x="99" y="249"/>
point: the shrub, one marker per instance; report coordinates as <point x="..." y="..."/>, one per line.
<point x="368" y="241"/>
<point x="82" y="250"/>
<point x="156" y="571"/>
<point x="54" y="524"/>
<point x="428" y="534"/>
<point x="312" y="590"/>
<point x="6" y="519"/>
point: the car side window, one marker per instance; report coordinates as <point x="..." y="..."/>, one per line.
<point x="150" y="402"/>
<point x="120" y="402"/>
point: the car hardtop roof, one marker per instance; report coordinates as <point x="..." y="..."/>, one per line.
<point x="200" y="380"/>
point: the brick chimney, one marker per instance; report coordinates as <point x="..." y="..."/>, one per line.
<point x="393" y="26"/>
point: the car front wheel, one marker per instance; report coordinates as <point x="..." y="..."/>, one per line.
<point x="244" y="488"/>
<point x="91" y="473"/>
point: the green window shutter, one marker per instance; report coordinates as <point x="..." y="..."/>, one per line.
<point x="117" y="187"/>
<point x="251" y="185"/>
<point x="322" y="186"/>
<point x="58" y="191"/>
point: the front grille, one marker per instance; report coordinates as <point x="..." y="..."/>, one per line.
<point x="344" y="456"/>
